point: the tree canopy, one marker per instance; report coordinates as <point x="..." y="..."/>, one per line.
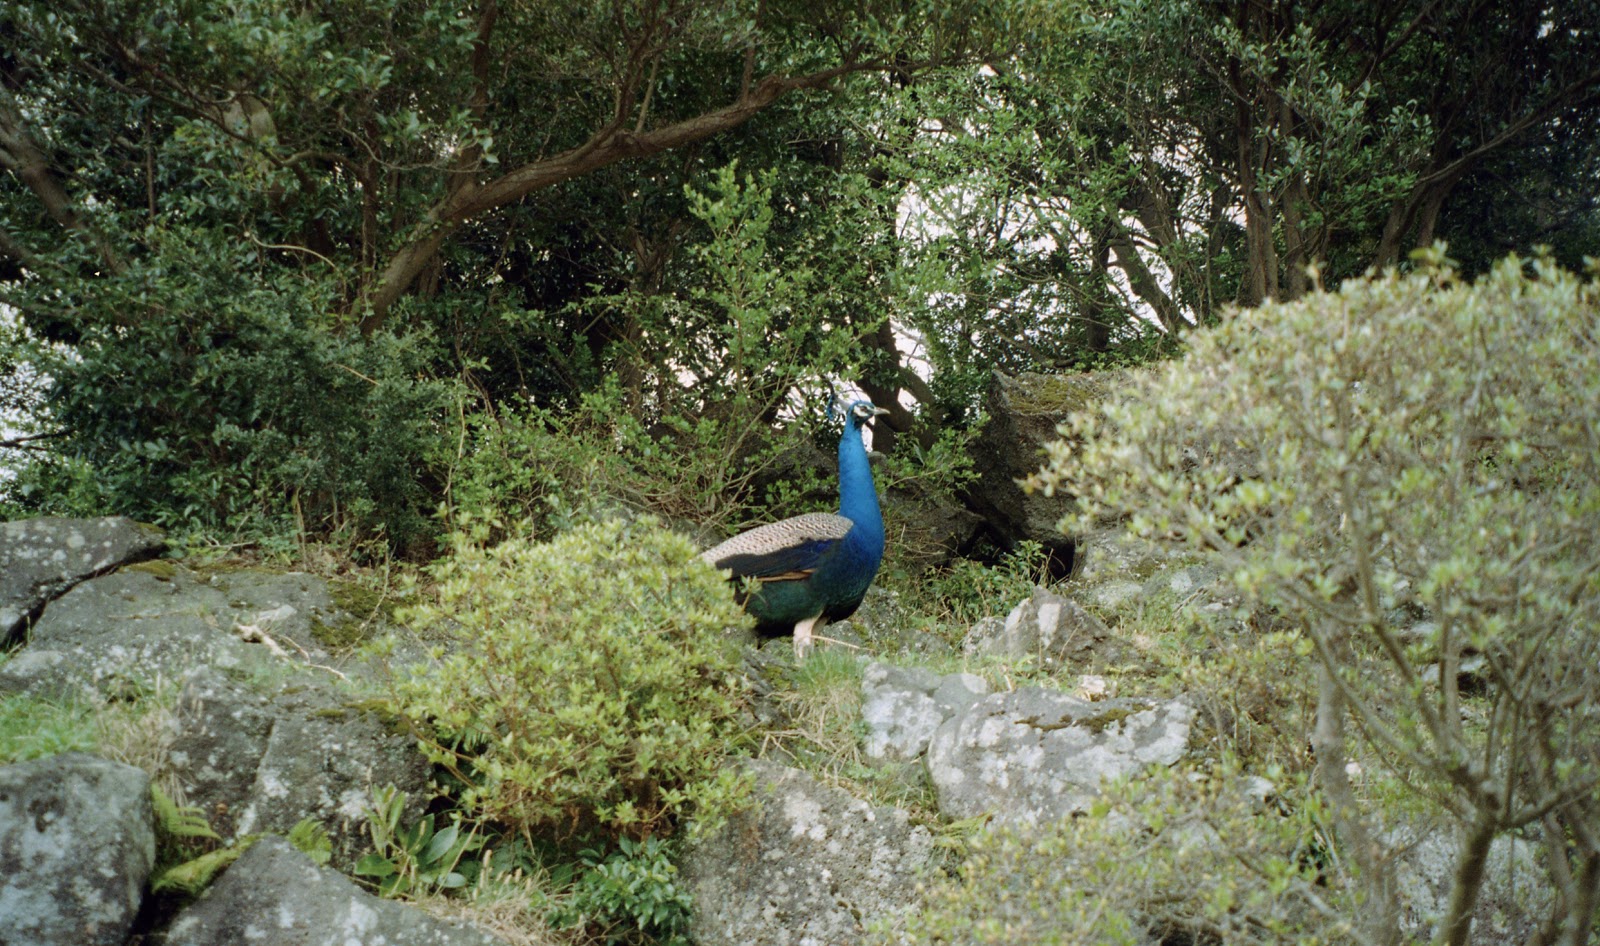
<point x="278" y="261"/>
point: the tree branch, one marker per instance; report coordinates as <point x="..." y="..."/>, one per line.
<point x="607" y="146"/>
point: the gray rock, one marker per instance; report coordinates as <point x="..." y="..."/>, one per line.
<point x="1024" y="412"/>
<point x="42" y="558"/>
<point x="1032" y="756"/>
<point x="1051" y="628"/>
<point x="76" y="849"/>
<point x="929" y="531"/>
<point x="257" y="763"/>
<point x="134" y="628"/>
<point x="275" y="896"/>
<point x="904" y="706"/>
<point x="808" y="866"/>
<point x="1515" y="899"/>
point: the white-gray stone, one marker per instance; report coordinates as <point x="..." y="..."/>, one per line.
<point x="903" y="707"/>
<point x="275" y="896"/>
<point x="127" y="631"/>
<point x="1032" y="756"/>
<point x="1515" y="898"/>
<point x="1049" y="627"/>
<point x="259" y="762"/>
<point x="810" y="865"/>
<point x="77" y="846"/>
<point x="41" y="558"/>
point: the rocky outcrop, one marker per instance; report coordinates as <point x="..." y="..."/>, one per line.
<point x="42" y="558"/>
<point x="808" y="866"/>
<point x="76" y="850"/>
<point x="903" y="707"/>
<point x="261" y="762"/>
<point x="1032" y="756"/>
<point x="1024" y="411"/>
<point x="1052" y="629"/>
<point x="275" y="896"/>
<point x="126" y="631"/>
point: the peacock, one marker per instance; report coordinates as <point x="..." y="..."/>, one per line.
<point x="808" y="570"/>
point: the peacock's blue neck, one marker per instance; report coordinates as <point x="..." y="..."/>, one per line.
<point x="858" y="495"/>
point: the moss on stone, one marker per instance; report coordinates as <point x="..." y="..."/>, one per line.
<point x="1112" y="716"/>
<point x="1055" y="395"/>
<point x="159" y="568"/>
<point x="344" y="633"/>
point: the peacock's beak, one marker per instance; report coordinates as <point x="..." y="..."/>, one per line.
<point x="877" y="412"/>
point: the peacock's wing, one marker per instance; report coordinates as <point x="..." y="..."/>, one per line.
<point x="789" y="549"/>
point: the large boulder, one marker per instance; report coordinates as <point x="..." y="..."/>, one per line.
<point x="42" y="558"/>
<point x="76" y="849"/>
<point x="1032" y="756"/>
<point x="809" y="865"/>
<point x="1024" y="411"/>
<point x="275" y="896"/>
<point x="1513" y="903"/>
<point x="256" y="762"/>
<point x="928" y="530"/>
<point x="903" y="707"/>
<point x="155" y="622"/>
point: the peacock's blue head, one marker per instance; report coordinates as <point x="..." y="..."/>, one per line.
<point x="857" y="414"/>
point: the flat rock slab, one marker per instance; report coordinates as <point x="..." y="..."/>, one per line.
<point x="76" y="850"/>
<point x="130" y="630"/>
<point x="257" y="762"/>
<point x="42" y="558"/>
<point x="1033" y="756"/>
<point x="810" y="865"/>
<point x="275" y="896"/>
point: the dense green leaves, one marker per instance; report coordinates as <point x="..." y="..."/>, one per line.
<point x="717" y="211"/>
<point x="1397" y="470"/>
<point x="588" y="682"/>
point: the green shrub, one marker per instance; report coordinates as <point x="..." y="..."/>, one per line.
<point x="410" y="859"/>
<point x="1190" y="859"/>
<point x="1409" y="447"/>
<point x="228" y="403"/>
<point x="587" y="682"/>
<point x="631" y="895"/>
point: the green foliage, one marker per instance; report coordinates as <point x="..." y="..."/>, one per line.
<point x="1407" y="447"/>
<point x="310" y="838"/>
<point x="32" y="728"/>
<point x="1169" y="854"/>
<point x="222" y="404"/>
<point x="185" y="864"/>
<point x="586" y="681"/>
<point x="629" y="896"/>
<point x="415" y="859"/>
<point x="689" y="426"/>
<point x="966" y="591"/>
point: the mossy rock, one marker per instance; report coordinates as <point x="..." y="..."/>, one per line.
<point x="1054" y="394"/>
<point x="159" y="568"/>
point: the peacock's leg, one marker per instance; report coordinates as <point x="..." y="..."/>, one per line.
<point x="802" y="636"/>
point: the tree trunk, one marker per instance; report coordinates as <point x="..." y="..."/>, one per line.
<point x="1381" y="918"/>
<point x="1468" y="880"/>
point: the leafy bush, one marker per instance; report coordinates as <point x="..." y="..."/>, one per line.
<point x="414" y="858"/>
<point x="587" y="682"/>
<point x="631" y="895"/>
<point x="227" y="402"/>
<point x="1186" y="858"/>
<point x="1408" y="448"/>
<point x="600" y="456"/>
